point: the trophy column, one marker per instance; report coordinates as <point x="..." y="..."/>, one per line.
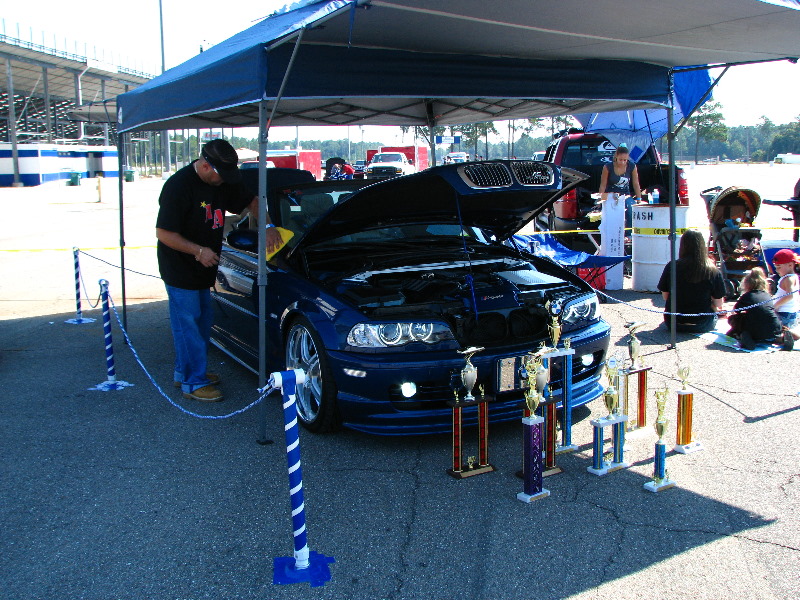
<point x="532" y="460"/>
<point x="617" y="423"/>
<point x="532" y="472"/>
<point x="683" y="437"/>
<point x="641" y="397"/>
<point x="469" y="377"/>
<point x="661" y="480"/>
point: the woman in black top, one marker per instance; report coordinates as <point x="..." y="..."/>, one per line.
<point x="700" y="287"/>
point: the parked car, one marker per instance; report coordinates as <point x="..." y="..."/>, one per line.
<point x="382" y="285"/>
<point x="389" y="164"/>
<point x="359" y="167"/>
<point x="588" y="153"/>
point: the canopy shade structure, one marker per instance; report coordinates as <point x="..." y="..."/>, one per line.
<point x="415" y="62"/>
<point x="638" y="129"/>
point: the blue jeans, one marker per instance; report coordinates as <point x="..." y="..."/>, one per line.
<point x="191" y="316"/>
<point x="788" y="319"/>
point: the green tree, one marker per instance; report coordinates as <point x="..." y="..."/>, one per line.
<point x="708" y="125"/>
<point x="787" y="140"/>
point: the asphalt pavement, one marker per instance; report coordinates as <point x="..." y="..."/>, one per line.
<point x="130" y="494"/>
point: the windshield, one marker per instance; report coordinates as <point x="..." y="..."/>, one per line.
<point x="388" y="157"/>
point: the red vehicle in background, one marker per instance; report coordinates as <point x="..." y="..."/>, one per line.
<point x="305" y="160"/>
<point x="588" y="153"/>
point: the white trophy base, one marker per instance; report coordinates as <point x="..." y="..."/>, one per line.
<point x="688" y="448"/>
<point x="609" y="420"/>
<point x="607" y="468"/>
<point x="652" y="486"/>
<point x="523" y="497"/>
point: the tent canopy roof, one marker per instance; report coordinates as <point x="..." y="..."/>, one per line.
<point x="415" y="62"/>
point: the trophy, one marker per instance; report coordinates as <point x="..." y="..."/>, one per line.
<point x="634" y="345"/>
<point x="661" y="480"/>
<point x="683" y="434"/>
<point x="554" y="326"/>
<point x="614" y="420"/>
<point x="469" y="377"/>
<point x="635" y="368"/>
<point x="469" y="374"/>
<point x="532" y="465"/>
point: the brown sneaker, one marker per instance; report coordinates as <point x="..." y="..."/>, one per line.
<point x="207" y="393"/>
<point x="213" y="379"/>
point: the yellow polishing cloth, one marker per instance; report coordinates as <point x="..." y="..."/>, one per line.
<point x="286" y="235"/>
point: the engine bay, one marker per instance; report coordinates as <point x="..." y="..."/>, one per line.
<point x="485" y="302"/>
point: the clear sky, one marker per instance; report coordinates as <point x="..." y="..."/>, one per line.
<point x="129" y="33"/>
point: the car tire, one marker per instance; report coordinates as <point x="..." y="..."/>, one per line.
<point x="316" y="398"/>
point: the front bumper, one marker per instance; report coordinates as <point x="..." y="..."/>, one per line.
<point x="371" y="401"/>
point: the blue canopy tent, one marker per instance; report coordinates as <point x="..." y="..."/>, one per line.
<point x="416" y="62"/>
<point x="638" y="129"/>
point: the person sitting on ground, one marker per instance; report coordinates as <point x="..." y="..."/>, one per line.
<point x="758" y="323"/>
<point x="785" y="299"/>
<point x="700" y="289"/>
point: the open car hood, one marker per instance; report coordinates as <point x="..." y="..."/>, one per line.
<point x="499" y="197"/>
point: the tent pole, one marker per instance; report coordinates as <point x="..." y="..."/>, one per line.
<point x="264" y="123"/>
<point x="673" y="282"/>
<point x="120" y="177"/>
<point x="263" y="143"/>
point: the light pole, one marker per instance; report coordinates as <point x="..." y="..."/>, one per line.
<point x="165" y="136"/>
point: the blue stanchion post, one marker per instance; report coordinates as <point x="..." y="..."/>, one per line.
<point x="111" y="383"/>
<point x="79" y="318"/>
<point x="304" y="565"/>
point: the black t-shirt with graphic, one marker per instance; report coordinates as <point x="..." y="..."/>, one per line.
<point x="196" y="210"/>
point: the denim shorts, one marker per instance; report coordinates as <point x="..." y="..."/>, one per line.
<point x="789" y="319"/>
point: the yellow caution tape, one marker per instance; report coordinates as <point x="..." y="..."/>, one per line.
<point x="656" y="231"/>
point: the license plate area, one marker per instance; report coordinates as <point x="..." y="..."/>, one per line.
<point x="508" y="374"/>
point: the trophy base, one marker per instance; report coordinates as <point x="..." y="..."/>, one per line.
<point x="652" y="486"/>
<point x="607" y="468"/>
<point x="552" y="471"/>
<point x="523" y="497"/>
<point x="479" y="470"/>
<point x="566" y="449"/>
<point x="688" y="448"/>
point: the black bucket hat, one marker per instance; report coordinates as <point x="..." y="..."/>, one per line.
<point x="223" y="158"/>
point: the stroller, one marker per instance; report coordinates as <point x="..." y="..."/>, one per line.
<point x="734" y="243"/>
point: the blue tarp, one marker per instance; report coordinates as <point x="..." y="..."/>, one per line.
<point x="638" y="129"/>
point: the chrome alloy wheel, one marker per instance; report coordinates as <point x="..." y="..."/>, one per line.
<point x="301" y="353"/>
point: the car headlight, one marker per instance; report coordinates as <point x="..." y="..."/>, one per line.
<point x="580" y="309"/>
<point x="385" y="335"/>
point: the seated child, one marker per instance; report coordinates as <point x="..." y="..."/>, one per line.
<point x="759" y="323"/>
<point x="786" y="299"/>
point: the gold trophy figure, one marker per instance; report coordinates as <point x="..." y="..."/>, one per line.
<point x="554" y="326"/>
<point x="469" y="374"/>
<point x="683" y="375"/>
<point x="661" y="420"/>
<point x="634" y="345"/>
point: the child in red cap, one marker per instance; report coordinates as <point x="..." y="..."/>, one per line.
<point x="785" y="300"/>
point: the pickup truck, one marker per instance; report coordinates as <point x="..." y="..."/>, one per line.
<point x="588" y="153"/>
<point x="385" y="165"/>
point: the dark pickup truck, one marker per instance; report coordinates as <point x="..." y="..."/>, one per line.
<point x="588" y="153"/>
